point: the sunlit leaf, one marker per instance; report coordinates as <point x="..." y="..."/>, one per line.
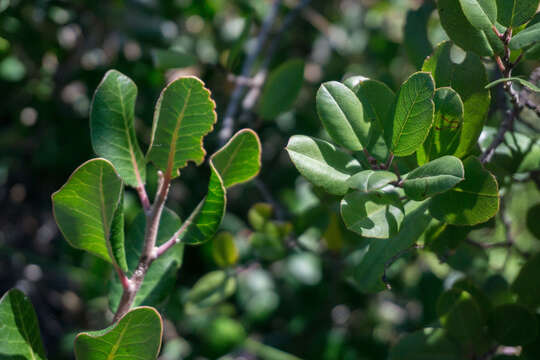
<point x="434" y="178"/>
<point x="369" y="180"/>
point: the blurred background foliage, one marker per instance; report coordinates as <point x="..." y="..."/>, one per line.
<point x="287" y="285"/>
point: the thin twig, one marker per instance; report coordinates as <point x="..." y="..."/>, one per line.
<point x="228" y="120"/>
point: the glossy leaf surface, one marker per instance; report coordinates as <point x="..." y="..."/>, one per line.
<point x="434" y="177"/>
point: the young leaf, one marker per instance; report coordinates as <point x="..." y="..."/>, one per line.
<point x="460" y="30"/>
<point x="322" y="163"/>
<point x="523" y="82"/>
<point x="184" y="114"/>
<point x="85" y="206"/>
<point x="444" y="136"/>
<point x="19" y="329"/>
<point x="434" y="178"/>
<point x="516" y="12"/>
<point x="224" y="250"/>
<point x="473" y="201"/>
<point x="409" y="124"/>
<point x="112" y="130"/>
<point x="342" y="115"/>
<point x="375" y="214"/>
<point x="369" y="180"/>
<point x="526" y="37"/>
<point x="369" y="270"/>
<point x="161" y="276"/>
<point x="236" y="162"/>
<point x="282" y="88"/>
<point x="136" y="336"/>
<point x="482" y="14"/>
<point x="211" y="289"/>
<point x="469" y="79"/>
<point x="513" y="325"/>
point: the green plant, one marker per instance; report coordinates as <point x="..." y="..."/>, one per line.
<point x="407" y="168"/>
<point x="146" y="256"/>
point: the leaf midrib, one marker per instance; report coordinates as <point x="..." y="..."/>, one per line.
<point x="126" y="130"/>
<point x="25" y="333"/>
<point x="406" y="118"/>
<point x="179" y="119"/>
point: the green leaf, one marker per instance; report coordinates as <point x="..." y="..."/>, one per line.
<point x="236" y="162"/>
<point x="184" y="114"/>
<point x="172" y="59"/>
<point x="433" y="178"/>
<point x="19" y="329"/>
<point x="322" y="163"/>
<point x="473" y="201"/>
<point x="282" y="88"/>
<point x="375" y="97"/>
<point x="342" y="115"/>
<point x="211" y="289"/>
<point x="444" y="136"/>
<point x="136" y="336"/>
<point x="513" y="325"/>
<point x="259" y="214"/>
<point x="533" y="214"/>
<point x="523" y="82"/>
<point x="369" y="180"/>
<point x="426" y="344"/>
<point x="516" y="12"/>
<point x="112" y="130"/>
<point x="464" y="323"/>
<point x="525" y="285"/>
<point x="224" y="250"/>
<point x="234" y="54"/>
<point x="526" y="37"/>
<point x="85" y="206"/>
<point x="460" y="30"/>
<point x="482" y="14"/>
<point x="161" y="276"/>
<point x="375" y="214"/>
<point x="415" y="34"/>
<point x="369" y="269"/>
<point x="409" y="124"/>
<point x="469" y="79"/>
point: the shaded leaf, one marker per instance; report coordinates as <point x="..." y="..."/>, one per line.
<point x="172" y="59"/>
<point x="533" y="214"/>
<point x="513" y="325"/>
<point x="19" y="328"/>
<point x="161" y="275"/>
<point x="112" y="130"/>
<point x="369" y="269"/>
<point x="85" y="206"/>
<point x="342" y="115"/>
<point x="375" y="214"/>
<point x="408" y="126"/>
<point x="369" y="180"/>
<point x="473" y="201"/>
<point x="525" y="284"/>
<point x="467" y="78"/>
<point x="416" y="41"/>
<point x="435" y="177"/>
<point x="184" y="114"/>
<point x="516" y="12"/>
<point x="281" y="89"/>
<point x="322" y="163"/>
<point x="426" y="344"/>
<point x="238" y="161"/>
<point x="137" y="335"/>
<point x="460" y="30"/>
<point x="445" y="134"/>
<point x="234" y="54"/>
